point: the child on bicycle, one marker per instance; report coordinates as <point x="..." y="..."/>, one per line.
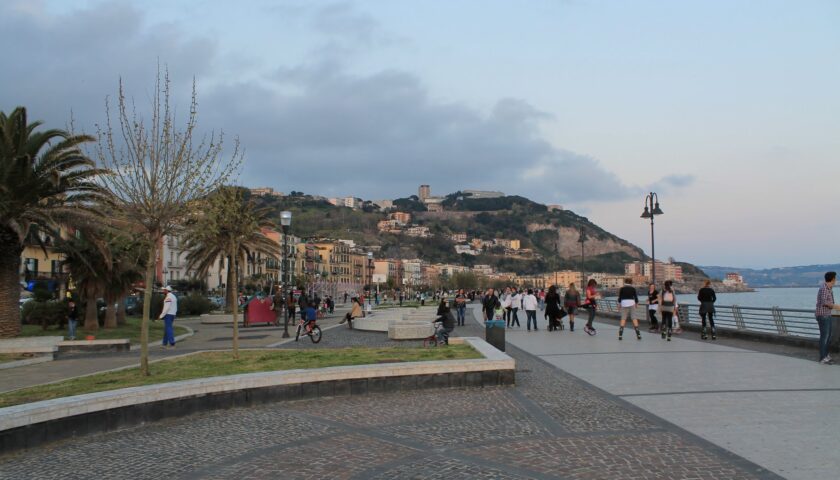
<point x="311" y="317"/>
<point x="447" y="322"/>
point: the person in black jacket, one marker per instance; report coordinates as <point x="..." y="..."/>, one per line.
<point x="628" y="299"/>
<point x="653" y="306"/>
<point x="447" y="319"/>
<point x="553" y="312"/>
<point x="707" y="299"/>
<point x="488" y="304"/>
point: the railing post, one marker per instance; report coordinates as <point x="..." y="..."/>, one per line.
<point x="739" y="319"/>
<point x="779" y="319"/>
<point x="683" y="314"/>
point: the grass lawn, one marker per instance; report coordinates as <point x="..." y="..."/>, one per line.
<point x="131" y="331"/>
<point x="214" y="364"/>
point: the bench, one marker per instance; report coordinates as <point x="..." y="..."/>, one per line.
<point x="410" y="329"/>
<point x="47" y="345"/>
<point x="77" y="346"/>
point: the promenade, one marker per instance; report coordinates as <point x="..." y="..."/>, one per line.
<point x="781" y="411"/>
<point x="550" y="425"/>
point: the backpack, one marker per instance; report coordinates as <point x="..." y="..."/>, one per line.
<point x="669" y="301"/>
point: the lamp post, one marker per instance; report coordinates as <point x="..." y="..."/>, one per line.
<point x="285" y="223"/>
<point x="651" y="210"/>
<point x="370" y="278"/>
<point x="582" y="241"/>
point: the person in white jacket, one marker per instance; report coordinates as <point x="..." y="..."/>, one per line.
<point x="530" y="305"/>
<point x="515" y="305"/>
<point x="170" y="309"/>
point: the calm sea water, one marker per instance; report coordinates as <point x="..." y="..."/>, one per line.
<point x="797" y="298"/>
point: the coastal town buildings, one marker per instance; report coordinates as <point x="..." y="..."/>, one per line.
<point x="734" y="279"/>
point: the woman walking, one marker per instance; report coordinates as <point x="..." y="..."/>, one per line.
<point x="515" y="305"/>
<point x="667" y="307"/>
<point x="591" y="304"/>
<point x="707" y="299"/>
<point x="653" y="306"/>
<point x="571" y="301"/>
<point x="552" y="309"/>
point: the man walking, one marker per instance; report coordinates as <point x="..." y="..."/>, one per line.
<point x="488" y="304"/>
<point x="825" y="304"/>
<point x="628" y="299"/>
<point x="530" y="304"/>
<point x="170" y="309"/>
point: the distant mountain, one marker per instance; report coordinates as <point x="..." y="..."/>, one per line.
<point x="801" y="276"/>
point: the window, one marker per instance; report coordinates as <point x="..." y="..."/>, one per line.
<point x="55" y="267"/>
<point x="31" y="265"/>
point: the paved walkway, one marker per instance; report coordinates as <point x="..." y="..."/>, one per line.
<point x="550" y="425"/>
<point x="779" y="411"/>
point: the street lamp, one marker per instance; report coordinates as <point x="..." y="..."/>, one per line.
<point x="370" y="277"/>
<point x="285" y="223"/>
<point x="651" y="210"/>
<point x="582" y="241"/>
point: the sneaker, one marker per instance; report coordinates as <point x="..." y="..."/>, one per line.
<point x="588" y="330"/>
<point x="827" y="361"/>
<point x="638" y="336"/>
<point x="663" y="334"/>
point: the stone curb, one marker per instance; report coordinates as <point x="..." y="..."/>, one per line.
<point x="27" y="361"/>
<point x="27" y="425"/>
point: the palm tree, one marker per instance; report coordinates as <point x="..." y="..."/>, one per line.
<point x="230" y="226"/>
<point x="45" y="182"/>
<point x="88" y="259"/>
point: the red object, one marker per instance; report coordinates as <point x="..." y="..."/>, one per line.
<point x="259" y="311"/>
<point x="90" y="337"/>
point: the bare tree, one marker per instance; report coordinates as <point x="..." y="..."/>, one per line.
<point x="158" y="171"/>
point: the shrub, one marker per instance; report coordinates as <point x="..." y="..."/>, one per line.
<point x="43" y="313"/>
<point x="194" y="304"/>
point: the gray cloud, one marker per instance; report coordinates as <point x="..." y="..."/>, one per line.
<point x="671" y="183"/>
<point x="314" y="127"/>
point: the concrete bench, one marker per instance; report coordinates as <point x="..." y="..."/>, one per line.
<point x="410" y="330"/>
<point x="30" y="345"/>
<point x="77" y="346"/>
<point x="373" y="323"/>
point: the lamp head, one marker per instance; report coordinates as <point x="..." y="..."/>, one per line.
<point x="657" y="210"/>
<point x="285" y="218"/>
<point x="646" y="213"/>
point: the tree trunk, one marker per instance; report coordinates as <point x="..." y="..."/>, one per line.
<point x="91" y="324"/>
<point x="121" y="311"/>
<point x="235" y="319"/>
<point x="231" y="294"/>
<point x="111" y="311"/>
<point x="147" y="306"/>
<point x="9" y="288"/>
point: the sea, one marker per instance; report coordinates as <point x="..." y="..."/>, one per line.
<point x="794" y="298"/>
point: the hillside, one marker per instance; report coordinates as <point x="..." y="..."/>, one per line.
<point x="552" y="236"/>
<point x="799" y="276"/>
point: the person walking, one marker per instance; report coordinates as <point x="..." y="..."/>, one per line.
<point x="72" y="319"/>
<point x="591" y="305"/>
<point x="354" y="313"/>
<point x="707" y="299"/>
<point x="530" y="305"/>
<point x="488" y="304"/>
<point x="277" y="304"/>
<point x="461" y="306"/>
<point x="571" y="300"/>
<point x="170" y="309"/>
<point x="515" y="305"/>
<point x="825" y="304"/>
<point x="653" y="306"/>
<point x="553" y="312"/>
<point x="628" y="298"/>
<point x="290" y="305"/>
<point x="667" y="307"/>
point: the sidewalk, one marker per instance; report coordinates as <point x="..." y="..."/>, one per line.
<point x="781" y="412"/>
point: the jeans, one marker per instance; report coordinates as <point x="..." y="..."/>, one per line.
<point x="825" y="334"/>
<point x="654" y="323"/>
<point x="591" y="315"/>
<point x="71" y="329"/>
<point x="514" y="317"/>
<point x="168" y="331"/>
<point x="462" y="314"/>
<point x="531" y="315"/>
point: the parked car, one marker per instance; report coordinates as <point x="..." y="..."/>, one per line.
<point x="24" y="300"/>
<point x="218" y="301"/>
<point x="133" y="305"/>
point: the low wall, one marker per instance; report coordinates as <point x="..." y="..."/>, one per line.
<point x="33" y="424"/>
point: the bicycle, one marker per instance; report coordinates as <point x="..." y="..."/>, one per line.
<point x="314" y="332"/>
<point x="439" y="337"/>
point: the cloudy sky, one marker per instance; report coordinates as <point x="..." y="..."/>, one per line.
<point x="728" y="109"/>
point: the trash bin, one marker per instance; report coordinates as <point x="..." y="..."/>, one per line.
<point x="494" y="333"/>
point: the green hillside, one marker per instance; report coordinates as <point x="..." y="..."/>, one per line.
<point x="505" y="217"/>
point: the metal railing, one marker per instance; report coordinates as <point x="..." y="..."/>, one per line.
<point x="774" y="320"/>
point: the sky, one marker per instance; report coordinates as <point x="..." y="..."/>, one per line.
<point x="728" y="109"/>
